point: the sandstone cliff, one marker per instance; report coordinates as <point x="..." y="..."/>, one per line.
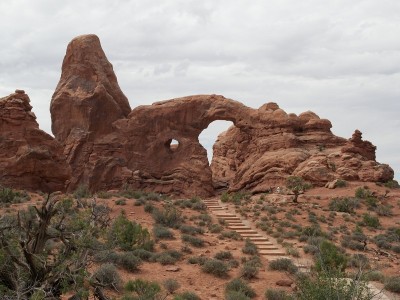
<point x="29" y="158"/>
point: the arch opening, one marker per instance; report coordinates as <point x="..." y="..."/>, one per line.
<point x="172" y="145"/>
<point x="207" y="139"/>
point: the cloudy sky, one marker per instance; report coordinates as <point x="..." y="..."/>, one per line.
<point x="340" y="59"/>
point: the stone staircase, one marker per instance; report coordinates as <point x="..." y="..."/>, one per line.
<point x="266" y="245"/>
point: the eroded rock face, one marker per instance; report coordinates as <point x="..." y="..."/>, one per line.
<point x="280" y="145"/>
<point x="107" y="146"/>
<point x="86" y="102"/>
<point x="29" y="158"/>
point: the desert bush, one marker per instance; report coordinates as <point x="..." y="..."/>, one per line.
<point x="161" y="232"/>
<point x="371" y="221"/>
<point x="149" y="208"/>
<point x="171" y="285"/>
<point x="8" y="195"/>
<point x="234" y="295"/>
<point x="363" y="193"/>
<point x="128" y="235"/>
<point x="215" y="267"/>
<point x="384" y="210"/>
<point x="358" y="260"/>
<point x="192" y="240"/>
<point x="250" y="269"/>
<point x="223" y="255"/>
<point x="238" y="285"/>
<point x="340" y="183"/>
<point x="107" y="276"/>
<point x="143" y="254"/>
<point x="143" y="288"/>
<point x="215" y="228"/>
<point x="169" y="216"/>
<point x="331" y="285"/>
<point x="230" y="234"/>
<point x="273" y="294"/>
<point x="120" y="202"/>
<point x="187" y="296"/>
<point x="330" y="257"/>
<point x="392" y="284"/>
<point x="374" y="276"/>
<point x="250" y="248"/>
<point x="187" y="229"/>
<point x="168" y="257"/>
<point x="283" y="264"/>
<point x="197" y="260"/>
<point x="346" y="205"/>
<point x="392" y="184"/>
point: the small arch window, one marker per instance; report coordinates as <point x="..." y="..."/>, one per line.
<point x="172" y="145"/>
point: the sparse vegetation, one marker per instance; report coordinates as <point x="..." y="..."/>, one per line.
<point x="215" y="267"/>
<point x="238" y="286"/>
<point x="283" y="264"/>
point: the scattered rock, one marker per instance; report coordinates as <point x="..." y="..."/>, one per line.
<point x="173" y="269"/>
<point x="284" y="282"/>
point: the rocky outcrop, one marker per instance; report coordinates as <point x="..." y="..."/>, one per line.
<point x="282" y="144"/>
<point x="107" y="145"/>
<point x="29" y="158"/>
<point x="84" y="106"/>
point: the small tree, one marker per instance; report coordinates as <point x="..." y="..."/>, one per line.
<point x="297" y="185"/>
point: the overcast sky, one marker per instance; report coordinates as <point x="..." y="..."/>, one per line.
<point x="340" y="59"/>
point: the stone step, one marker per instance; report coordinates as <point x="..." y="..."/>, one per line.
<point x="211" y="202"/>
<point x="272" y="252"/>
<point x="226" y="216"/>
<point x="258" y="238"/>
<point x="217" y="209"/>
<point x="245" y="231"/>
<point x="216" y="205"/>
<point x="250" y="235"/>
<point x="267" y="247"/>
<point x="234" y="222"/>
<point x="234" y="227"/>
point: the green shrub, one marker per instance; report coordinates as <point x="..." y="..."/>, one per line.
<point x="363" y="193"/>
<point x="129" y="261"/>
<point x="143" y="254"/>
<point x="169" y="216"/>
<point x="384" y="210"/>
<point x="215" y="228"/>
<point x="230" y="234"/>
<point x="104" y="195"/>
<point x="392" y="184"/>
<point x="187" y="229"/>
<point x="283" y="264"/>
<point x="371" y="221"/>
<point x="330" y="257"/>
<point x="143" y="288"/>
<point x="272" y="294"/>
<point x="8" y="195"/>
<point x="344" y="204"/>
<point x="197" y="260"/>
<point x="171" y="285"/>
<point x="358" y="260"/>
<point x="107" y="276"/>
<point x="120" y="202"/>
<point x="340" y="183"/>
<point x="250" y="248"/>
<point x="161" y="232"/>
<point x="187" y="296"/>
<point x="216" y="267"/>
<point x="149" y="208"/>
<point x="238" y="285"/>
<point x="82" y="192"/>
<point x="236" y="295"/>
<point x="128" y="235"/>
<point x="392" y="284"/>
<point x="223" y="255"/>
<point x="168" y="257"/>
<point x="192" y="240"/>
<point x="250" y="269"/>
<point x="374" y="276"/>
<point x="330" y="285"/>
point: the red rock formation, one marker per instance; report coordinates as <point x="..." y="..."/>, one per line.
<point x="29" y="158"/>
<point x="107" y="145"/>
<point x="281" y="144"/>
<point x="86" y="102"/>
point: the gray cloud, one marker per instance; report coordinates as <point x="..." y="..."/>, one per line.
<point x="338" y="58"/>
